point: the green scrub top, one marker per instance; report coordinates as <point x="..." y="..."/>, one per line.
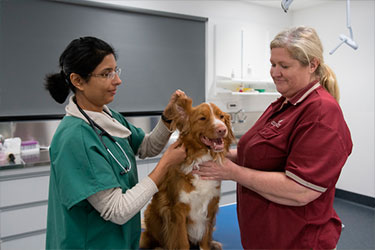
<point x="81" y="167"/>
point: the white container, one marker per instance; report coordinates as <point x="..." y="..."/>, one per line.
<point x="12" y="146"/>
<point x="2" y="152"/>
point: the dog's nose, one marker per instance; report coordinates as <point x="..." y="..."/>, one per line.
<point x="221" y="130"/>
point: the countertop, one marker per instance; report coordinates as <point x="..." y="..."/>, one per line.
<point x="42" y="159"/>
<point x="26" y="161"/>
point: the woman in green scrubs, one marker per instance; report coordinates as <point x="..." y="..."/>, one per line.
<point x="94" y="195"/>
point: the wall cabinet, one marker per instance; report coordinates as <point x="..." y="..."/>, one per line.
<point x="242" y="51"/>
<point x="228" y="50"/>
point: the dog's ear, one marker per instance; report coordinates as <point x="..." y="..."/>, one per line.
<point x="181" y="112"/>
<point x="231" y="138"/>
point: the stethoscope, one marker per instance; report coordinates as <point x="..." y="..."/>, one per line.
<point x="102" y="133"/>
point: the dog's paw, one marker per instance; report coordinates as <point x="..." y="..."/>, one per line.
<point x="215" y="245"/>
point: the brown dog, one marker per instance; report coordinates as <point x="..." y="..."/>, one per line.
<point x="182" y="214"/>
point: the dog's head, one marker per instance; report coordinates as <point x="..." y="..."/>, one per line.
<point x="204" y="127"/>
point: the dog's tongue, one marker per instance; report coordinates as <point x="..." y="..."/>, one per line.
<point x="215" y="144"/>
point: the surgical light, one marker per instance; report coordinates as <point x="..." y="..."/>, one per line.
<point x="345" y="39"/>
<point x="285" y="4"/>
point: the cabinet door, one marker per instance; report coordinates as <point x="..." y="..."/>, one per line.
<point x="242" y="49"/>
<point x="23" y="220"/>
<point x="148" y="169"/>
<point x="228" y="186"/>
<point x="228" y="192"/>
<point x="22" y="191"/>
<point x="142" y="168"/>
<point x="256" y="54"/>
<point x="228" y="50"/>
<point x="35" y="242"/>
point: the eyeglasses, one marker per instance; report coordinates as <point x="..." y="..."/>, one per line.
<point x="109" y="76"/>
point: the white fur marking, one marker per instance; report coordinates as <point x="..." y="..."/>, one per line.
<point x="216" y="121"/>
<point x="198" y="200"/>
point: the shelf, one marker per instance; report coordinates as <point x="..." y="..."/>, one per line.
<point x="257" y="93"/>
<point x="239" y="80"/>
<point x="230" y="86"/>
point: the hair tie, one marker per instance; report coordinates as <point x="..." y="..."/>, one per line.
<point x="65" y="77"/>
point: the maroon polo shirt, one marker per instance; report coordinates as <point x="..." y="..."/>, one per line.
<point x="307" y="138"/>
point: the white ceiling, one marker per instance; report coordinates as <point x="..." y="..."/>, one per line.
<point x="296" y="4"/>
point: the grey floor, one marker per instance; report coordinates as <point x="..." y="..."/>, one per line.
<point x="359" y="225"/>
<point x="358" y="232"/>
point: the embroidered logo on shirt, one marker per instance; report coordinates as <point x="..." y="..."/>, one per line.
<point x="276" y="124"/>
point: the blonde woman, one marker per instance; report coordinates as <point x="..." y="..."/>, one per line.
<point x="288" y="163"/>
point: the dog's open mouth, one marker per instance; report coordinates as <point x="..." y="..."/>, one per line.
<point x="217" y="144"/>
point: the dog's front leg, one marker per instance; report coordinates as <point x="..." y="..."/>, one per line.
<point x="175" y="230"/>
<point x="207" y="242"/>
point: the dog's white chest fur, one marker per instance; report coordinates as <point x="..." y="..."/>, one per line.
<point x="198" y="200"/>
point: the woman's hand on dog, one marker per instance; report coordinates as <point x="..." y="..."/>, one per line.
<point x="170" y="109"/>
<point x="211" y="170"/>
<point x="175" y="154"/>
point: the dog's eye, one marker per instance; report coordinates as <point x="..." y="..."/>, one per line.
<point x="202" y="118"/>
<point x="222" y="117"/>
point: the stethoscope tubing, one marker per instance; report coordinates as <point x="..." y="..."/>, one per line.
<point x="93" y="124"/>
<point x="125" y="170"/>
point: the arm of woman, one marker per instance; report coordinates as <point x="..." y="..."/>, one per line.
<point x="274" y="186"/>
<point x="155" y="141"/>
<point x="232" y="155"/>
<point x="118" y="207"/>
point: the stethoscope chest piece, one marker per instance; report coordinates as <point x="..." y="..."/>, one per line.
<point x="124" y="172"/>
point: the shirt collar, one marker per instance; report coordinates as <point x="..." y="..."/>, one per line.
<point x="302" y="94"/>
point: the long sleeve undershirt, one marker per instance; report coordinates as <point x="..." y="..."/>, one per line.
<point x="117" y="207"/>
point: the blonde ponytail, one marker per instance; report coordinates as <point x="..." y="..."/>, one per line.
<point x="328" y="81"/>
